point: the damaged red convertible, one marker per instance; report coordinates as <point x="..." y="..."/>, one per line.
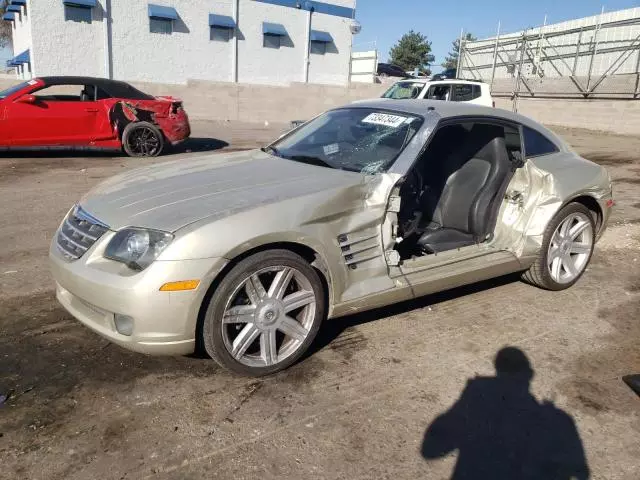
<point x="92" y="113"/>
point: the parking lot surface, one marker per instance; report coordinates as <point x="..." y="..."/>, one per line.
<point x="359" y="405"/>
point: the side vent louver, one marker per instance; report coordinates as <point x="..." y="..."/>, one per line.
<point x="359" y="248"/>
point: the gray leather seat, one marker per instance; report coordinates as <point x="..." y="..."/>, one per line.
<point x="460" y="203"/>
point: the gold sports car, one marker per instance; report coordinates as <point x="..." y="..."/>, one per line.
<point x="245" y="254"/>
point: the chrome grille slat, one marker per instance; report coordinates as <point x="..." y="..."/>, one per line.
<point x="84" y="234"/>
<point x="78" y="233"/>
<point x="77" y="245"/>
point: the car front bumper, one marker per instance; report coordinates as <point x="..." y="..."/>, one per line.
<point x="95" y="290"/>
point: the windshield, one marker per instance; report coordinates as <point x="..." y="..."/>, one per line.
<point x="404" y="90"/>
<point x="12" y="90"/>
<point x="361" y="140"/>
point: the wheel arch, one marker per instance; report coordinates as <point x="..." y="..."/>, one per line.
<point x="310" y="254"/>
<point x="592" y="204"/>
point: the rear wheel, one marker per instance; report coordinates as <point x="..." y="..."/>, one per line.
<point x="142" y="139"/>
<point x="566" y="249"/>
<point x="264" y="314"/>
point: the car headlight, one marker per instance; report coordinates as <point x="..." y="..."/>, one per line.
<point x="137" y="247"/>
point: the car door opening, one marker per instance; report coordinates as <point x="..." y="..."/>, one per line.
<point x="451" y="197"/>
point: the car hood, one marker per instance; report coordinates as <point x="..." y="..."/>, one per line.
<point x="172" y="195"/>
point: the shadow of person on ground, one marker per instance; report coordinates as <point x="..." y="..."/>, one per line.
<point x="501" y="431"/>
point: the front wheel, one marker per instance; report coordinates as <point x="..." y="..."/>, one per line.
<point x="264" y="314"/>
<point x="142" y="139"/>
<point x="566" y="249"/>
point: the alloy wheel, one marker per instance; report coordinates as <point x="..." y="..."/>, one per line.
<point x="268" y="316"/>
<point x="570" y="248"/>
<point x="144" y="142"/>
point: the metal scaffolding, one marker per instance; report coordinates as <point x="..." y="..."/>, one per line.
<point x="593" y="57"/>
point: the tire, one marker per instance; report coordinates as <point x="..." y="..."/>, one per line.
<point x="244" y="325"/>
<point x="142" y="139"/>
<point x="547" y="273"/>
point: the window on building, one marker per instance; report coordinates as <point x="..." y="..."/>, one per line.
<point x="536" y="144"/>
<point x="161" y="25"/>
<point x="220" y="34"/>
<point x="77" y="14"/>
<point x="318" y="48"/>
<point x="271" y="41"/>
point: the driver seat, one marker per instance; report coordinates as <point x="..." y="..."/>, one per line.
<point x="471" y="179"/>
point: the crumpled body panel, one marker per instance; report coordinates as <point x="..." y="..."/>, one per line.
<point x="166" y="113"/>
<point x="538" y="190"/>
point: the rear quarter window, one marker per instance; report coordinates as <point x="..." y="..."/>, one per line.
<point x="463" y="92"/>
<point x="536" y="144"/>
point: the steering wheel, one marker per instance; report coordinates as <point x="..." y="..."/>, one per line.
<point x="410" y="212"/>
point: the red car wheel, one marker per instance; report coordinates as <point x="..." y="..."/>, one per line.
<point x="142" y="139"/>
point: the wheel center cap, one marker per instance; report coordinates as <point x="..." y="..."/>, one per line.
<point x="566" y="247"/>
<point x="268" y="314"/>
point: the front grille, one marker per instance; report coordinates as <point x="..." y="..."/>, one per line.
<point x="78" y="233"/>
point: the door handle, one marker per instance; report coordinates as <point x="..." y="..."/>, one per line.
<point x="92" y="110"/>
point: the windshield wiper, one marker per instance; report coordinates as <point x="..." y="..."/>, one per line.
<point x="310" y="160"/>
<point x="271" y="151"/>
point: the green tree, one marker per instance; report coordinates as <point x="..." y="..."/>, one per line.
<point x="5" y="27"/>
<point x="451" y="60"/>
<point x="412" y="51"/>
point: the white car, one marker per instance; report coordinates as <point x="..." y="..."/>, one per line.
<point x="467" y="91"/>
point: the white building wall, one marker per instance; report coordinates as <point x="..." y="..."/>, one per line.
<point x="21" y="40"/>
<point x="332" y="67"/>
<point x="188" y="53"/>
<point x="63" y="47"/>
<point x="269" y="66"/>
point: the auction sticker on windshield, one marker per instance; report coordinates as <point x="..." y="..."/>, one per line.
<point x="385" y="119"/>
<point x="331" y="149"/>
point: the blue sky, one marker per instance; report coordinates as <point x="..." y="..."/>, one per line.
<point x="385" y="21"/>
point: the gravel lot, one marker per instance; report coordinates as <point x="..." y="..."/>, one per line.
<point x="359" y="406"/>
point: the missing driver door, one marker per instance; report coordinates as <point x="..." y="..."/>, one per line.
<point x="462" y="179"/>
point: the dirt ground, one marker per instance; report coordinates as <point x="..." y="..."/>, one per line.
<point x="359" y="405"/>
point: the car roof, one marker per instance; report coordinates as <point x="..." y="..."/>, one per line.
<point x="454" y="109"/>
<point x="115" y="88"/>
<point x="445" y="80"/>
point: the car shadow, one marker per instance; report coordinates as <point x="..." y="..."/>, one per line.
<point x="193" y="144"/>
<point x="501" y="431"/>
<point x="198" y="144"/>
<point x="60" y="153"/>
<point x="332" y="329"/>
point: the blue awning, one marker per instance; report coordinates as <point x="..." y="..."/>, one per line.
<point x="9" y="17"/>
<point x="158" y="11"/>
<point x="14" y="8"/>
<point x="18" y="2"/>
<point x="318" y="36"/>
<point x="24" y="57"/>
<point x="81" y="3"/>
<point x="274" y="29"/>
<point x="222" y="21"/>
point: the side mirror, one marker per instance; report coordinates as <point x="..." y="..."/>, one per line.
<point x="27" y="98"/>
